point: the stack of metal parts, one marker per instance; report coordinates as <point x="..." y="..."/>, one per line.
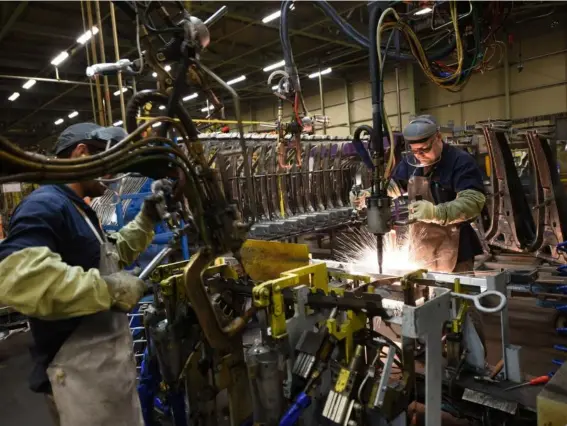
<point x="296" y="191"/>
<point x="105" y="206"/>
<point x="516" y="224"/>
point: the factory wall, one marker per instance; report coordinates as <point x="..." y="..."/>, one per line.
<point x="540" y="88"/>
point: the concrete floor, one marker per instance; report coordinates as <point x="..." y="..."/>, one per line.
<point x="531" y="327"/>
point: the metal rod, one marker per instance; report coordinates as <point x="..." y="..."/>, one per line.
<point x="100" y="104"/>
<point x="117" y="54"/>
<point x="347" y="105"/>
<point x="103" y="59"/>
<point x="155" y="262"/>
<point x="91" y="88"/>
<point x="50" y="80"/>
<point x="398" y="96"/>
<point x="322" y="100"/>
<point x="211" y="20"/>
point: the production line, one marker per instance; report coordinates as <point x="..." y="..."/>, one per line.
<point x="240" y="323"/>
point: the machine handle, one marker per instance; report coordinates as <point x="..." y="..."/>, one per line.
<point x="476" y="299"/>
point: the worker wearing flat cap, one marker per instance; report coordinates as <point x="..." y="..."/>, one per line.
<point x="446" y="192"/>
<point x="58" y="268"/>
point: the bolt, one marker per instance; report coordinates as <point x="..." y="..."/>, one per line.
<point x="160" y="56"/>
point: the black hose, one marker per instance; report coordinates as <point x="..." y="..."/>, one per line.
<point x="290" y="67"/>
<point x="377" y="131"/>
<point x="142" y="97"/>
<point x="350" y="31"/>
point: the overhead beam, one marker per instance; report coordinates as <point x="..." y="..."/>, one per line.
<point x="12" y="19"/>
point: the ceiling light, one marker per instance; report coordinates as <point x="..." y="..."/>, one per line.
<point x="87" y="36"/>
<point x="58" y="121"/>
<point x="162" y="107"/>
<point x="317" y="74"/>
<point x="192" y="96"/>
<point x="118" y="123"/>
<point x="209" y="108"/>
<point x="271" y="17"/>
<point x="59" y="58"/>
<point x="28" y="84"/>
<point x="236" y="80"/>
<point x="73" y="114"/>
<point x="274" y="66"/>
<point x="14" y="96"/>
<point x="167" y="68"/>
<point x="423" y="11"/>
<point x="154" y="74"/>
<point x="124" y="89"/>
<point x="156" y="124"/>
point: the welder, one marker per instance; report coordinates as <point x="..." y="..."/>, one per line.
<point x="446" y="192"/>
<point x="59" y="268"/>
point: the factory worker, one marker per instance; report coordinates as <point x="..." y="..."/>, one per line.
<point x="58" y="268"/>
<point x="445" y="191"/>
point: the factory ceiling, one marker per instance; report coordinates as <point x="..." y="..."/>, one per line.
<point x="32" y="34"/>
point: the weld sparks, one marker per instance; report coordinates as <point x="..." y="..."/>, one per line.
<point x="358" y="250"/>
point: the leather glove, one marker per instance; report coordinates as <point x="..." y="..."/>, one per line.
<point x="422" y="211"/>
<point x="125" y="290"/>
<point x="155" y="207"/>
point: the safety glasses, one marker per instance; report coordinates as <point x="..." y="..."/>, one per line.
<point x="425" y="149"/>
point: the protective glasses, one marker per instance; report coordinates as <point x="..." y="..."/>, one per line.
<point x="425" y="149"/>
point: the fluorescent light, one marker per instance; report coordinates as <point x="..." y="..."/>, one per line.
<point x="192" y="96"/>
<point x="124" y="89"/>
<point x="156" y="124"/>
<point x="73" y="114"/>
<point x="59" y="58"/>
<point x="317" y="74"/>
<point x="274" y="66"/>
<point x="271" y="17"/>
<point x="14" y="96"/>
<point x="87" y="36"/>
<point x="154" y="74"/>
<point x="209" y="108"/>
<point x="118" y="123"/>
<point x="276" y="87"/>
<point x="167" y="68"/>
<point x="236" y="80"/>
<point x="162" y="107"/>
<point x="423" y="11"/>
<point x="29" y="84"/>
<point x="58" y="121"/>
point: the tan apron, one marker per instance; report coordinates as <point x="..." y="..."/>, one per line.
<point x="93" y="376"/>
<point x="434" y="246"/>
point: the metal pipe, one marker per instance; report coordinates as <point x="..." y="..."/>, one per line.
<point x="88" y="61"/>
<point x="322" y="100"/>
<point x="347" y="104"/>
<point x="117" y="54"/>
<point x="103" y="59"/>
<point x="49" y="80"/>
<point x="100" y="104"/>
<point x="154" y="263"/>
<point x="398" y="96"/>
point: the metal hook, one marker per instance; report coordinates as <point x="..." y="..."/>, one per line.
<point x="476" y="299"/>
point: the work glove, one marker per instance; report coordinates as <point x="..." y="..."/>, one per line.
<point x="466" y="206"/>
<point x="357" y="198"/>
<point x="422" y="211"/>
<point x="125" y="290"/>
<point x="155" y="205"/>
<point x="562" y="247"/>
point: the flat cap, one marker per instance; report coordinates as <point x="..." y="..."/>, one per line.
<point x="420" y="129"/>
<point x="89" y="133"/>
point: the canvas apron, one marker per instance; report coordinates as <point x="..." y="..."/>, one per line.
<point x="93" y="375"/>
<point x="434" y="246"/>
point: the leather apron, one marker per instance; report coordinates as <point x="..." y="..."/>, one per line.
<point x="435" y="247"/>
<point x="93" y="375"/>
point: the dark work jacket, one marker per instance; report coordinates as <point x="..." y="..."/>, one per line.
<point x="48" y="218"/>
<point x="456" y="171"/>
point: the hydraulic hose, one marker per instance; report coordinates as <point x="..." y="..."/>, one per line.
<point x="357" y="37"/>
<point x="142" y="97"/>
<point x="377" y="138"/>
<point x="290" y="67"/>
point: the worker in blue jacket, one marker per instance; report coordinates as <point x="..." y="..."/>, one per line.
<point x="445" y="191"/>
<point x="58" y="268"/>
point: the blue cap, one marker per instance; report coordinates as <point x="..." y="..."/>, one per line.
<point x="88" y="133"/>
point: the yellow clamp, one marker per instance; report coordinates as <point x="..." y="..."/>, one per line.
<point x="354" y="322"/>
<point x="457" y="323"/>
<point x="269" y="294"/>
